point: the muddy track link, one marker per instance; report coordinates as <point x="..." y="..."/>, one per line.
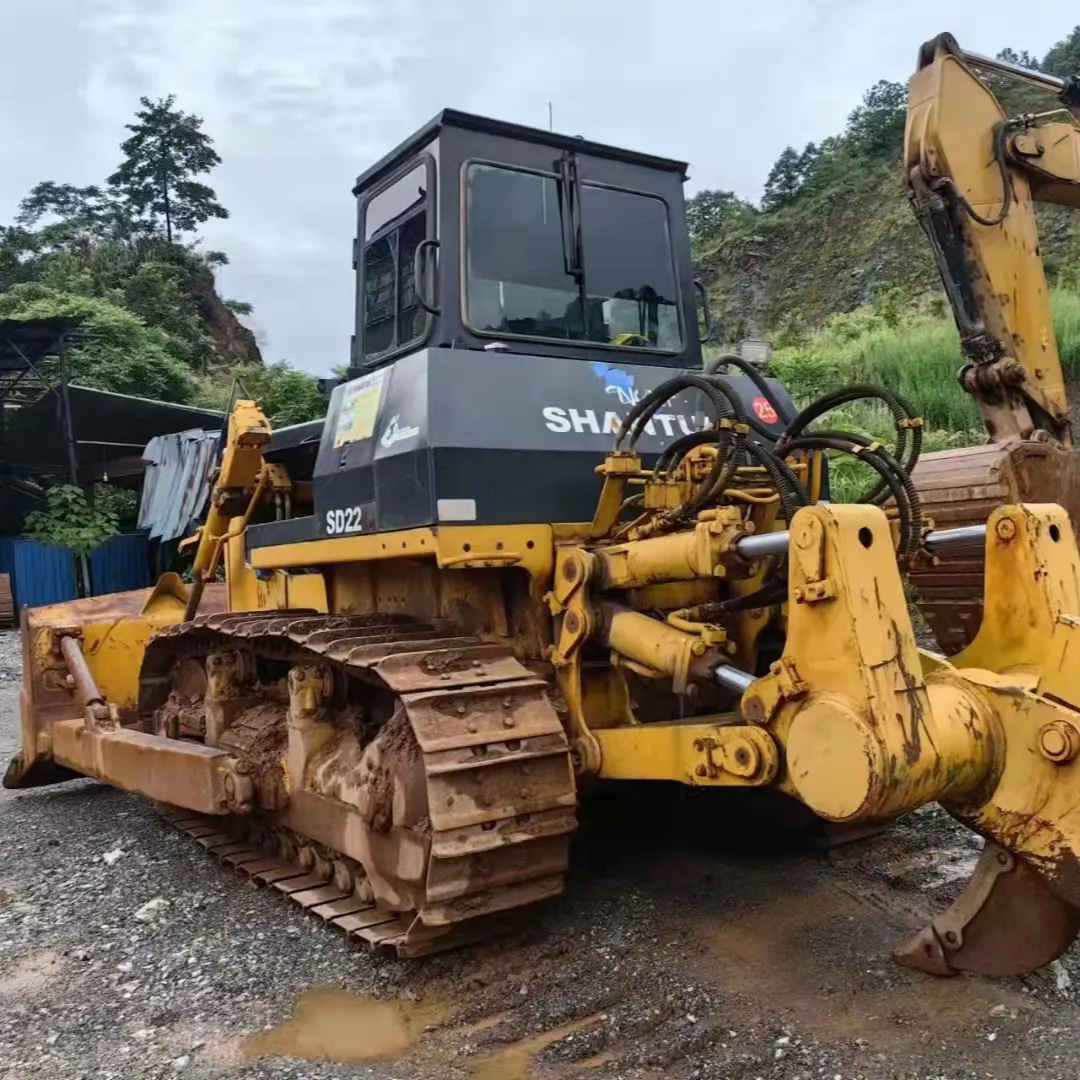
<point x="361" y="920"/>
<point x="501" y="801"/>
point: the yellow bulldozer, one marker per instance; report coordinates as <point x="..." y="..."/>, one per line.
<point x="535" y="544"/>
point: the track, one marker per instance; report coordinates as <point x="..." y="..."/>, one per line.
<point x="452" y="816"/>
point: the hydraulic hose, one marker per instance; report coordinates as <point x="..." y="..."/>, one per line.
<point x="904" y="417"/>
<point x="891" y="472"/>
<point x="634" y="423"/>
<point x="792" y="493"/>
<point x="759" y="380"/>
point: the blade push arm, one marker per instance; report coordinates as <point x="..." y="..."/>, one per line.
<point x="974" y="175"/>
<point x="237" y="486"/>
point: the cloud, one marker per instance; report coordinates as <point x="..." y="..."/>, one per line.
<point x="300" y="98"/>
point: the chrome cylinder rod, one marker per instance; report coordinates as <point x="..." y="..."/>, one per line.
<point x="732" y="678"/>
<point x="776" y="543"/>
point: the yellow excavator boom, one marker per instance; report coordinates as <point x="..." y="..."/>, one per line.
<point x="974" y="175"/>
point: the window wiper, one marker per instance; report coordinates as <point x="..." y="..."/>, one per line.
<point x="568" y="188"/>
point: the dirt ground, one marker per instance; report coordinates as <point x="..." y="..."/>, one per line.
<point x="691" y="943"/>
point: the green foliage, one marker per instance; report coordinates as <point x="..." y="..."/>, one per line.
<point x="1064" y="58"/>
<point x="876" y="128"/>
<point x="790" y="175"/>
<point x="1066" y="304"/>
<point x="710" y="211"/>
<point x="836" y="231"/>
<point x="77" y="213"/>
<point x="914" y="352"/>
<point x="120" y="503"/>
<point x="286" y="395"/>
<point x="69" y="520"/>
<point x="918" y="359"/>
<point x="875" y="132"/>
<point x="105" y="255"/>
<point x="115" y="349"/>
<point x="159" y="293"/>
<point x="167" y="150"/>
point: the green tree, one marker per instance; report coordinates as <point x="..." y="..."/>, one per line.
<point x="876" y="128"/>
<point x="167" y="150"/>
<point x="1022" y="58"/>
<point x="115" y="349"/>
<point x="1064" y="58"/>
<point x="285" y="394"/>
<point x="86" y="207"/>
<point x="70" y="521"/>
<point x="784" y="180"/>
<point x="709" y="212"/>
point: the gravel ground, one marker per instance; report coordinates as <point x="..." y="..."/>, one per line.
<point x="682" y="949"/>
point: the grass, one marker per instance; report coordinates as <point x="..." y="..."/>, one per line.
<point x="1067" y="328"/>
<point x="913" y="351"/>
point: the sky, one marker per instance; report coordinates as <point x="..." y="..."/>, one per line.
<point x="302" y="95"/>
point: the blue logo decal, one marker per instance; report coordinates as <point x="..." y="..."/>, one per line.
<point x="617" y="382"/>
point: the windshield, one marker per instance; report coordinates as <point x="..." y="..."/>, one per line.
<point x="519" y="273"/>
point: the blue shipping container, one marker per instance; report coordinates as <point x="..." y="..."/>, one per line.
<point x="120" y="564"/>
<point x="42" y="574"/>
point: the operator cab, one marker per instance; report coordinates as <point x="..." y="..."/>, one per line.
<point x="476" y="234"/>
<point x="518" y="292"/>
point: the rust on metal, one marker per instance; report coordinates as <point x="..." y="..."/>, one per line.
<point x="456" y="811"/>
<point x="1007" y="921"/>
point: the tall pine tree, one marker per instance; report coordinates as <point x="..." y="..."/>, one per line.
<point x="167" y="150"/>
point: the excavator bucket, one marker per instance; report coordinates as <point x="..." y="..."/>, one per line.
<point x="963" y="487"/>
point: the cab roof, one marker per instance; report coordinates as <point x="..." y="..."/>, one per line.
<point x="452" y="118"/>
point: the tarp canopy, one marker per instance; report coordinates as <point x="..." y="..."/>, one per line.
<point x="26" y="342"/>
<point x="111" y="431"/>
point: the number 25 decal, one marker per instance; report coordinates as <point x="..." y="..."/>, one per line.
<point x="763" y="409"/>
<point x="348" y="520"/>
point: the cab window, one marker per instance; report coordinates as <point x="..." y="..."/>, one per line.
<point x="521" y="280"/>
<point x="394" y="222"/>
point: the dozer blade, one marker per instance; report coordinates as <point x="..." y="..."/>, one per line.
<point x="964" y="487"/>
<point x="40" y="773"/>
<point x="1006" y="922"/>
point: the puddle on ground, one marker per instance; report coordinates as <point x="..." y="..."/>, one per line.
<point x="334" y="1025"/>
<point x="513" y="1061"/>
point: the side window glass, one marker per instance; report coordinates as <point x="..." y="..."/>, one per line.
<point x="395" y="221"/>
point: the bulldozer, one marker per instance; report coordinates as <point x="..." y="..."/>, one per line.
<point x="537" y="545"/>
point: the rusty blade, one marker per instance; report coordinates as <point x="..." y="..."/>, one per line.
<point x="1008" y="921"/>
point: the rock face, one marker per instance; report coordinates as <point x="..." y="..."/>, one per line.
<point x="836" y="251"/>
<point x="234" y="342"/>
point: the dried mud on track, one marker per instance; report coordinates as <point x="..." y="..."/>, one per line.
<point x="127" y="951"/>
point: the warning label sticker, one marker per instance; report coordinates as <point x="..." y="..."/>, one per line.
<point x="359" y="408"/>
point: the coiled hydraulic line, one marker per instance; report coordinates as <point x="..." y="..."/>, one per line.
<point x="752" y="372"/>
<point x="894" y="479"/>
<point x="904" y="418"/>
<point x="728" y="435"/>
<point x="733" y="448"/>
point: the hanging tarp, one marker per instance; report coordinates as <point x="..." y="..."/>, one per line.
<point x="176" y="484"/>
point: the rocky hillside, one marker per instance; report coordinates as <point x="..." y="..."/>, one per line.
<point x="834" y="230"/>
